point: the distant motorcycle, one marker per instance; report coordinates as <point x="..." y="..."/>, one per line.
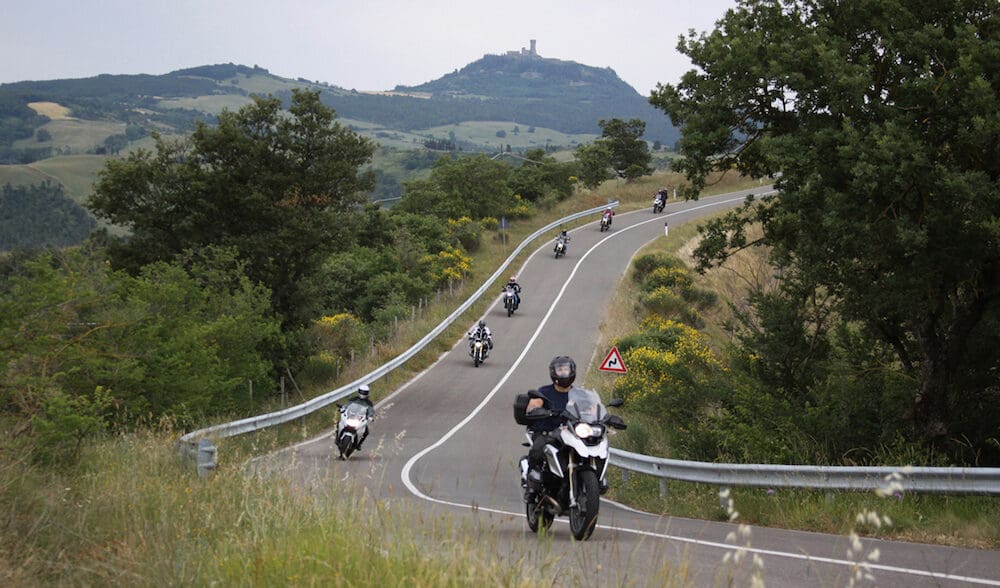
<point x="479" y="350"/>
<point x="560" y="248"/>
<point x="510" y="299"/>
<point x="351" y="427"/>
<point x="606" y="222"/>
<point x="659" y="201"/>
<point x="575" y="469"/>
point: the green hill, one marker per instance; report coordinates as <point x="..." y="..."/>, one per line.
<point x="63" y="130"/>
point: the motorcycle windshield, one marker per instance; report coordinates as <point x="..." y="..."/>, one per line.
<point x="585" y="406"/>
<point x="355" y="410"/>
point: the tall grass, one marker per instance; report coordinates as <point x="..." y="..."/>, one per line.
<point x="131" y="514"/>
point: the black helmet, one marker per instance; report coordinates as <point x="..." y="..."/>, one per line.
<point x="363" y="391"/>
<point x="482" y="324"/>
<point x="562" y="370"/>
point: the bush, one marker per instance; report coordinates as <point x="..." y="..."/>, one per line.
<point x="467" y="232"/>
<point x="668" y="304"/>
<point x="667" y="277"/>
<point x="700" y="298"/>
<point x="657" y="333"/>
<point x="340" y="335"/>
<point x="65" y="422"/>
<point x="645" y="264"/>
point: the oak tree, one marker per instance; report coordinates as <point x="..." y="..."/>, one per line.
<point x="880" y="121"/>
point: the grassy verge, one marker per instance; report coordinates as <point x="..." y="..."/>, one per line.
<point x="130" y="514"/>
<point x="968" y="521"/>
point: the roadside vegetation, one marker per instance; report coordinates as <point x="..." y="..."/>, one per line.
<point x="686" y="398"/>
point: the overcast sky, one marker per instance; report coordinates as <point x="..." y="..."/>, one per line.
<point x="359" y="44"/>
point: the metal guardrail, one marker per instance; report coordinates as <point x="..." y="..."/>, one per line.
<point x="940" y="480"/>
<point x="198" y="444"/>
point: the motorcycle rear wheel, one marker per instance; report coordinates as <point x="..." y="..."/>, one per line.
<point x="583" y="516"/>
<point x="539" y="518"/>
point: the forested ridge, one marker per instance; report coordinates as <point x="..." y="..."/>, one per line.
<point x="564" y="96"/>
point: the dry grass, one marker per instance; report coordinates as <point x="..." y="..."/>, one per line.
<point x="52" y="110"/>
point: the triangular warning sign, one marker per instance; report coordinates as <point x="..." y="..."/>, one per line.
<point x="613" y="362"/>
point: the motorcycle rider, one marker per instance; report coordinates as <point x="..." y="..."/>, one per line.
<point x="608" y="212"/>
<point x="564" y="237"/>
<point x="483" y="332"/>
<point x="513" y="285"/>
<point x="362" y="398"/>
<point x="562" y="372"/>
<point x="661" y="196"/>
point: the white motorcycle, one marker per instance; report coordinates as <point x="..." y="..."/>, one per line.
<point x="351" y="427"/>
<point x="479" y="349"/>
<point x="560" y="247"/>
<point x="659" y="201"/>
<point x="575" y="470"/>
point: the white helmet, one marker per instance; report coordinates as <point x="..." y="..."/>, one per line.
<point x="363" y="390"/>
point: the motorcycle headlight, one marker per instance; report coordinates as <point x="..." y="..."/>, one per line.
<point x="585" y="430"/>
<point x="354" y="422"/>
<point x="479" y="344"/>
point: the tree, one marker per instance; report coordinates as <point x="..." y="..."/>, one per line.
<point x="883" y="119"/>
<point x="594" y="160"/>
<point x="274" y="187"/>
<point x="630" y="156"/>
<point x="473" y="186"/>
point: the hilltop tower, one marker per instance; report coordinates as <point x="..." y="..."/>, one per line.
<point x="533" y="52"/>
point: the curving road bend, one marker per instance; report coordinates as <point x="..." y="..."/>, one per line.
<point x="449" y="438"/>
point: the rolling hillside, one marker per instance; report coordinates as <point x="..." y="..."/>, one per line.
<point x="62" y="131"/>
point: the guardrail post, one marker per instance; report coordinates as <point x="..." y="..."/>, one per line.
<point x="663" y="482"/>
<point x="206" y="460"/>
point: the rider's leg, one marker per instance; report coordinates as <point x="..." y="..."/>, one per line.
<point x="536" y="456"/>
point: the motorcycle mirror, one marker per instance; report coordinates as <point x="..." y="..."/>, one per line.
<point x="615" y="403"/>
<point x="616" y="422"/>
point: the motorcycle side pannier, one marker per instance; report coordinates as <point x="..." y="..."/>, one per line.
<point x="520" y="408"/>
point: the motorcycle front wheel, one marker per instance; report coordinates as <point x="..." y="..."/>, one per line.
<point x="346" y="445"/>
<point x="539" y="518"/>
<point x="583" y="516"/>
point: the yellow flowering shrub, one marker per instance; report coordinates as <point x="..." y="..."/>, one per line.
<point x="671" y="374"/>
<point x="466" y="231"/>
<point x="339" y="334"/>
<point x="450" y="264"/>
<point x="667" y="277"/>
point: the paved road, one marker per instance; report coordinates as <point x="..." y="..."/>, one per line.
<point x="446" y="443"/>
